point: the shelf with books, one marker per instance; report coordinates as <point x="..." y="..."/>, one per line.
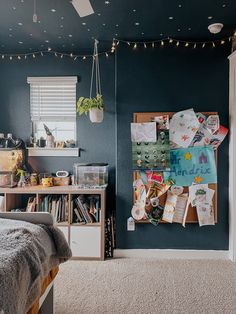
<point x="86" y="236"/>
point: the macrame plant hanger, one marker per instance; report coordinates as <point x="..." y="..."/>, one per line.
<point x="96" y="114"/>
<point x="97" y="71"/>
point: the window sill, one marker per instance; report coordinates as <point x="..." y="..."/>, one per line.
<point x="54" y="152"/>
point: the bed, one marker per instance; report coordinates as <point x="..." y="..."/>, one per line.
<point x="31" y="249"/>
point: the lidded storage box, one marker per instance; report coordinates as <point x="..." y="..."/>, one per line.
<point x="90" y="175"/>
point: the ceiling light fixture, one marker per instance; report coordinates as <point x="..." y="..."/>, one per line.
<point x="215" y="28"/>
<point x="82" y="7"/>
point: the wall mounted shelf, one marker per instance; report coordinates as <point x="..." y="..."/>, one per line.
<point x="54" y="152"/>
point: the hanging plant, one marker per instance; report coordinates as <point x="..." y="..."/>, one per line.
<point x="95" y="106"/>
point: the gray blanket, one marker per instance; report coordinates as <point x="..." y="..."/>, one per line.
<point x="27" y="253"/>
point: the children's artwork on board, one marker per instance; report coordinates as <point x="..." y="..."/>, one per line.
<point x="144" y="132"/>
<point x="169" y="208"/>
<point x="162" y="122"/>
<point x="200" y="193"/>
<point x="218" y="137"/>
<point x="183" y="127"/>
<point x="205" y="214"/>
<point x="213" y="123"/>
<point x="180" y="208"/>
<point x="156" y="156"/>
<point x="192" y="165"/>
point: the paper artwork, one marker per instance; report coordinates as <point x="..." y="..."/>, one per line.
<point x="162" y="122"/>
<point x="218" y="137"/>
<point x="213" y="123"/>
<point x="169" y="208"/>
<point x="183" y="127"/>
<point x="176" y="190"/>
<point x="152" y="156"/>
<point x="193" y="164"/>
<point x="180" y="208"/>
<point x="143" y="132"/>
<point x="205" y="214"/>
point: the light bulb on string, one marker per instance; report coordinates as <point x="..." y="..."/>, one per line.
<point x="49" y="49"/>
<point x="61" y="56"/>
<point x="18" y="57"/>
<point x="170" y="40"/>
<point x="128" y="43"/>
<point x="135" y="46"/>
<point x="213" y="44"/>
<point x="177" y="44"/>
<point x="106" y="54"/>
<point x="71" y="55"/>
<point x="144" y="45"/>
<point x="35" y="17"/>
<point x="203" y="45"/>
<point x="55" y="54"/>
<point x="162" y="43"/>
<point x="195" y="46"/>
<point x="41" y="53"/>
<point x="25" y="56"/>
<point x="222" y="42"/>
<point x="10" y="57"/>
<point x="84" y="57"/>
<point x="3" y="56"/>
<point x="75" y="58"/>
<point x="186" y="44"/>
<point x="229" y="39"/>
<point x="117" y="43"/>
<point x="33" y="55"/>
<point x="153" y="45"/>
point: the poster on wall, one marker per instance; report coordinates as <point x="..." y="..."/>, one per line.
<point x="192" y="165"/>
<point x="148" y="155"/>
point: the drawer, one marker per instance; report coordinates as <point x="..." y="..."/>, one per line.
<point x="85" y="241"/>
<point x="65" y="231"/>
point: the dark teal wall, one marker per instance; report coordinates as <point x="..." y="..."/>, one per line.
<point x="147" y="80"/>
<point x="170" y="80"/>
<point x="95" y="140"/>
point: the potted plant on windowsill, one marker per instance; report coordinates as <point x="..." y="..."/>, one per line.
<point x="95" y="107"/>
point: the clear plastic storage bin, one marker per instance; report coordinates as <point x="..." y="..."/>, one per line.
<point x="90" y="175"/>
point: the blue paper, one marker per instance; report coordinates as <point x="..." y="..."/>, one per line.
<point x="192" y="165"/>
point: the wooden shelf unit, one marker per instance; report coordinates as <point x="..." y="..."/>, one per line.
<point x="87" y="240"/>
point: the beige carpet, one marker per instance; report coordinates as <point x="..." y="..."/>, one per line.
<point x="146" y="286"/>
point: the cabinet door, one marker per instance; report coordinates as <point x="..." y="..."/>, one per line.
<point x="65" y="231"/>
<point x="85" y="241"/>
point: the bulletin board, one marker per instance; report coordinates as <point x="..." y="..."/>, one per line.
<point x="140" y="117"/>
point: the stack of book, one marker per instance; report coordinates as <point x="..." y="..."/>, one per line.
<point x="57" y="205"/>
<point x="86" y="209"/>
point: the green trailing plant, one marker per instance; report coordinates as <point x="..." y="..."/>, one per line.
<point x="85" y="104"/>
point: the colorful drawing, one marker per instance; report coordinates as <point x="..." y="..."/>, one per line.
<point x="200" y="168"/>
<point x="162" y="122"/>
<point x="183" y="127"/>
<point x="152" y="156"/>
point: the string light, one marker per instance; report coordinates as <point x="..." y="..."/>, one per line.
<point x="49" y="49"/>
<point x="222" y="42"/>
<point x="195" y="46"/>
<point x="55" y="54"/>
<point x="41" y="53"/>
<point x="117" y="43"/>
<point x="177" y="44"/>
<point x="128" y="43"/>
<point x="10" y="58"/>
<point x="186" y="44"/>
<point x="170" y="40"/>
<point x="33" y="55"/>
<point x="203" y="45"/>
<point x="84" y="57"/>
<point x="135" y="46"/>
<point x="153" y="45"/>
<point x="3" y="56"/>
<point x="18" y="57"/>
<point x="71" y="55"/>
<point x="162" y="43"/>
<point x="213" y="45"/>
<point x="61" y="56"/>
<point x="144" y="45"/>
<point x="106" y="54"/>
<point x="25" y="56"/>
<point x="75" y="58"/>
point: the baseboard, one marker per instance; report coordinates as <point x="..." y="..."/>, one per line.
<point x="172" y="254"/>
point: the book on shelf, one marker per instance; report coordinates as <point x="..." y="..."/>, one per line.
<point x="86" y="209"/>
<point x="57" y="205"/>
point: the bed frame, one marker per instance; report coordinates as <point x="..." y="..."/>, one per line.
<point x="47" y="299"/>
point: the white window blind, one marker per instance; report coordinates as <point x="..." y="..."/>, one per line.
<point x="53" y="98"/>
